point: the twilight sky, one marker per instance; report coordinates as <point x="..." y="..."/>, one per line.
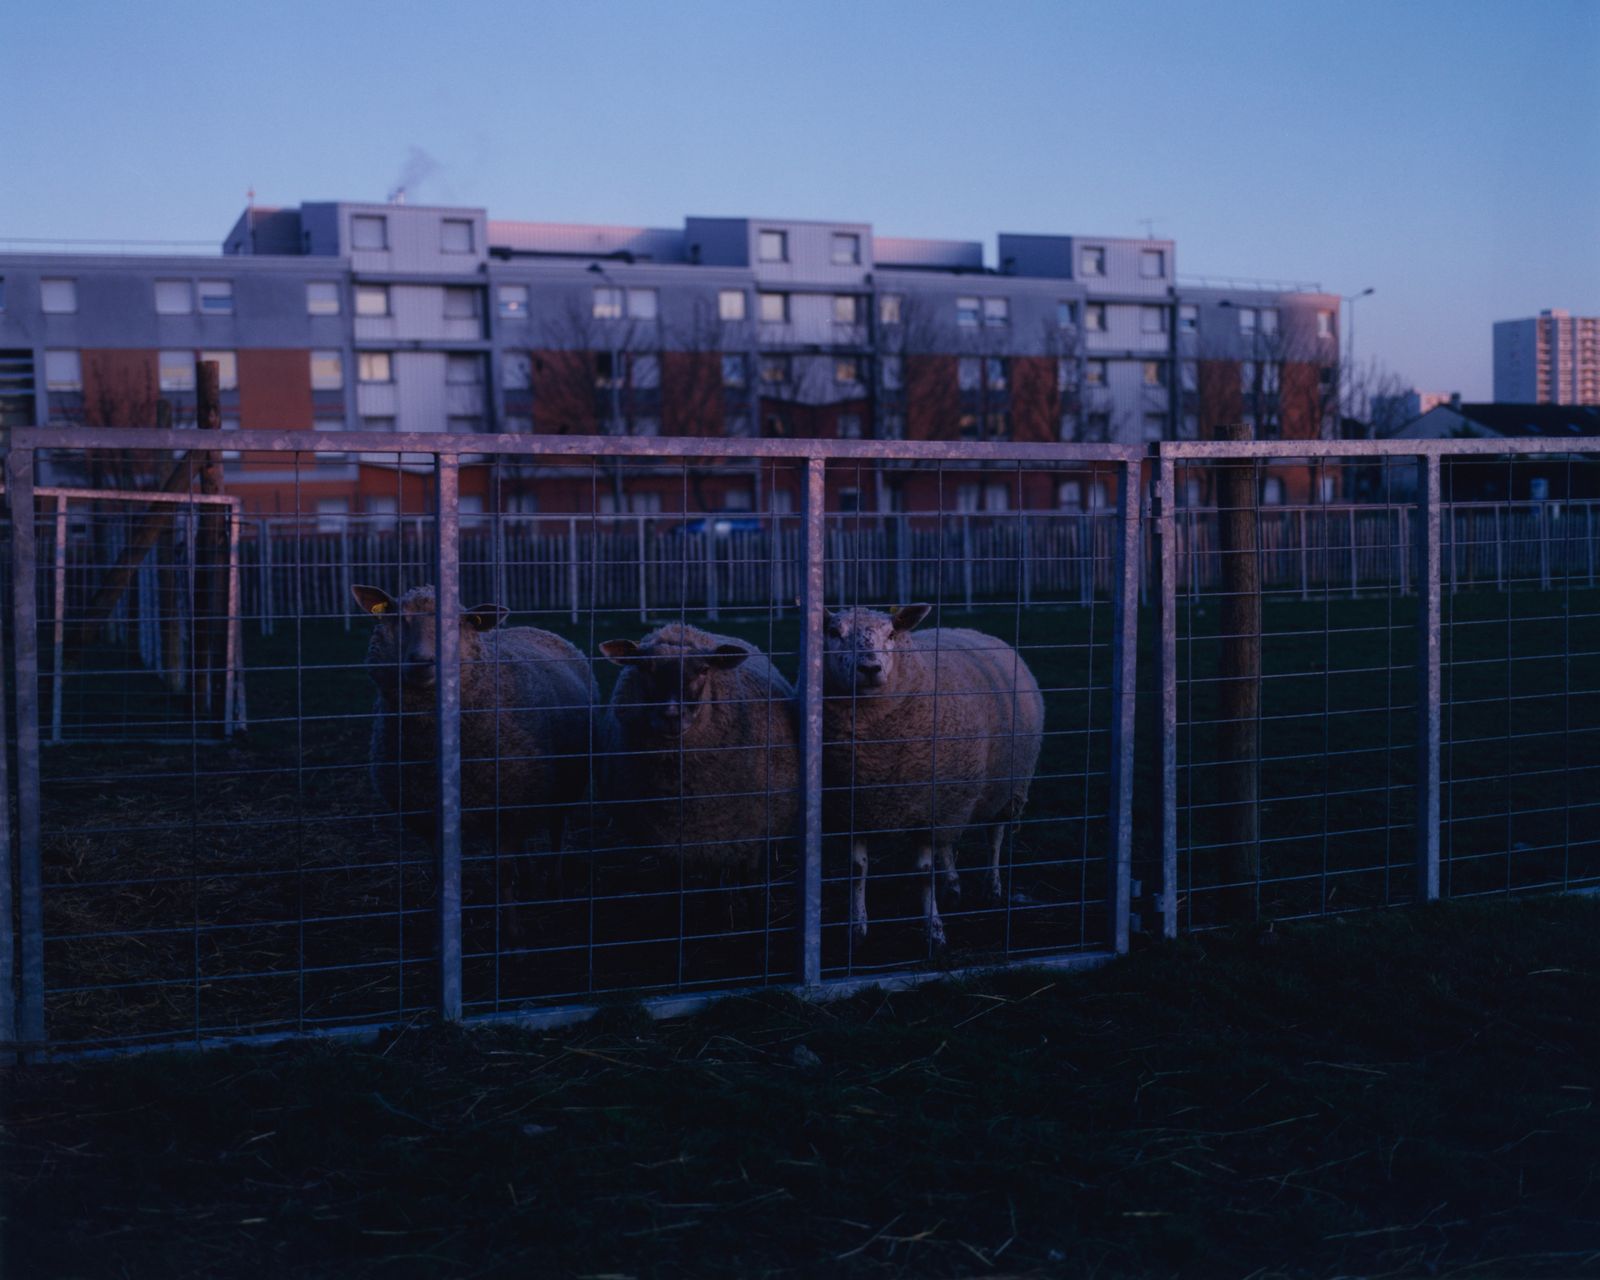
<point x="1445" y="152"/>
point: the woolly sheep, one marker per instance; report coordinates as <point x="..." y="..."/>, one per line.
<point x="527" y="700"/>
<point x="924" y="735"/>
<point x="701" y="749"/>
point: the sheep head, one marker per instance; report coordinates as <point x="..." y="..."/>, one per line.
<point x="668" y="687"/>
<point x="405" y="641"/>
<point x="862" y="647"/>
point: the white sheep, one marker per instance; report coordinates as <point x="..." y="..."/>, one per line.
<point x="925" y="733"/>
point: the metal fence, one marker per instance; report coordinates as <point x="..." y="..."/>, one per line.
<point x="705" y="754"/>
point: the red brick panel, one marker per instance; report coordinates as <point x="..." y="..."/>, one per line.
<point x="1221" y="400"/>
<point x="274" y="389"/>
<point x="564" y="393"/>
<point x="1035" y="399"/>
<point x="933" y="398"/>
<point x="691" y="393"/>
<point x="120" y="388"/>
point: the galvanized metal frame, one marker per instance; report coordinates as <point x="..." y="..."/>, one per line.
<point x="1124" y="689"/>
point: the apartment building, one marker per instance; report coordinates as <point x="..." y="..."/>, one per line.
<point x="329" y="317"/>
<point x="1551" y="358"/>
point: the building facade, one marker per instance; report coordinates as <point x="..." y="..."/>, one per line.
<point x="1551" y="358"/>
<point x="330" y="317"/>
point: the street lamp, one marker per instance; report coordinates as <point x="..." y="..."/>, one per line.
<point x="1350" y="347"/>
<point x="616" y="358"/>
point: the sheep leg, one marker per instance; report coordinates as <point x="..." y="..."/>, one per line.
<point x="930" y="900"/>
<point x="997" y="838"/>
<point x="948" y="872"/>
<point x="858" y="891"/>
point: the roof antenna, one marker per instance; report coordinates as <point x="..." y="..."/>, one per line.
<point x="1149" y="225"/>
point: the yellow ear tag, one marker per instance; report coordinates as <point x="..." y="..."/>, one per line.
<point x="381" y="607"/>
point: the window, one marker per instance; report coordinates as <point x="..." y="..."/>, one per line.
<point x="177" y="371"/>
<point x="890" y="307"/>
<point x="892" y="426"/>
<point x="513" y="301"/>
<point x="642" y="304"/>
<point x="1269" y="320"/>
<point x="455" y="235"/>
<point x="846" y="249"/>
<point x="730" y="304"/>
<point x="1099" y="495"/>
<point x="1066" y="314"/>
<point x="998" y="427"/>
<point x="322" y="298"/>
<point x="1270" y="369"/>
<point x="459" y="370"/>
<point x="1098" y="426"/>
<point x="994" y="373"/>
<point x="1068" y="427"/>
<point x="849" y="308"/>
<point x="1324" y="324"/>
<point x="1272" y="491"/>
<point x="372" y="299"/>
<point x="1155" y="373"/>
<point x="967" y="313"/>
<point x="62" y="371"/>
<point x="381" y="425"/>
<point x="463" y="425"/>
<point x="1094" y="373"/>
<point x="996" y="497"/>
<point x="996" y="312"/>
<point x="1247" y="319"/>
<point x="1069" y="495"/>
<point x="58" y="297"/>
<point x="607" y="303"/>
<point x="847" y="371"/>
<point x="332" y="514"/>
<point x="216" y="297"/>
<point x="1188" y="318"/>
<point x="1152" y="319"/>
<point x="375" y="366"/>
<point x="227" y="369"/>
<point x="1247" y="376"/>
<point x="893" y="372"/>
<point x="969" y="373"/>
<point x="2" y="293"/>
<point x="736" y="424"/>
<point x="774" y="370"/>
<point x="516" y="371"/>
<point x="1155" y="425"/>
<point x="1092" y="261"/>
<point x="644" y="371"/>
<point x="460" y="303"/>
<point x="773" y="246"/>
<point x="1094" y="317"/>
<point x="327" y="424"/>
<point x="1064" y="374"/>
<point x="174" y="298"/>
<point x="849" y="426"/>
<point x="1152" y="263"/>
<point x="733" y="369"/>
<point x="1189" y="373"/>
<point x="647" y="427"/>
<point x="774" y="308"/>
<point x="369" y="231"/>
<point x="969" y="497"/>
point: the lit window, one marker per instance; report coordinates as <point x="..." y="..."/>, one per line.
<point x="1092" y="261"/>
<point x="893" y="372"/>
<point x="1324" y="324"/>
<point x="62" y="371"/>
<point x="774" y="308"/>
<point x="1066" y="314"/>
<point x="890" y="306"/>
<point x="1155" y="425"/>
<point x="733" y="369"/>
<point x="967" y="313"/>
<point x="645" y="371"/>
<point x="513" y="300"/>
<point x="847" y="370"/>
<point x="1247" y="319"/>
<point x="1152" y="263"/>
<point x="642" y="304"/>
<point x="322" y="298"/>
<point x="730" y="304"/>
<point x="774" y="369"/>
<point x="996" y="312"/>
<point x="1094" y="317"/>
<point x="995" y="372"/>
<point x="1155" y="373"/>
<point x="459" y="370"/>
<point x="177" y="371"/>
<point x="516" y="370"/>
<point x="848" y="309"/>
<point x="173" y="298"/>
<point x="1188" y="318"/>
<point x="372" y="299"/>
<point x="846" y="249"/>
<point x="1152" y="319"/>
<point x="58" y="297"/>
<point x="375" y="366"/>
<point x="369" y="231"/>
<point x="460" y="303"/>
<point x="1094" y="373"/>
<point x="969" y="373"/>
<point x="1269" y="320"/>
<point x="227" y="368"/>
<point x="607" y="303"/>
<point x="849" y="426"/>
<point x="773" y="246"/>
<point x="455" y="235"/>
<point x="216" y="297"/>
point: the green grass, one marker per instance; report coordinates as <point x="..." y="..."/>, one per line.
<point x="1402" y="1093"/>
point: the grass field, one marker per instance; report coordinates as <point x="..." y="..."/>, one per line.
<point x="1390" y="1094"/>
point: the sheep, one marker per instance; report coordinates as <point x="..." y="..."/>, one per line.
<point x="701" y="749"/>
<point x="527" y="700"/>
<point x="924" y="735"/>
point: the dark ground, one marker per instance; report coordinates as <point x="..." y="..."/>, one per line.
<point x="1388" y="1094"/>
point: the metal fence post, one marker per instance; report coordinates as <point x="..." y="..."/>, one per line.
<point x="447" y="630"/>
<point x="8" y="938"/>
<point x="572" y="566"/>
<point x="1168" y="667"/>
<point x="58" y="608"/>
<point x="1124" y="660"/>
<point x="1428" y="683"/>
<point x="811" y="728"/>
<point x="29" y="1015"/>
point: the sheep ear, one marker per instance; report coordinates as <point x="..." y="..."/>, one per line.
<point x="621" y="652"/>
<point x="486" y="617"/>
<point x="374" y="600"/>
<point x="725" y="657"/>
<point x="906" y="619"/>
